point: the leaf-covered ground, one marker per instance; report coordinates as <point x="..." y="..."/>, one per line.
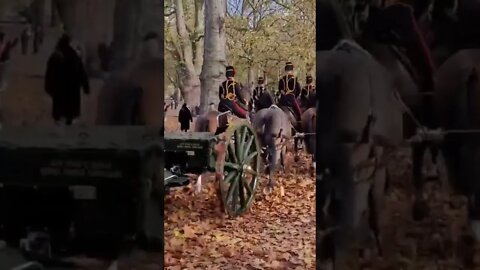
<point x="277" y="233"/>
<point x="439" y="242"/>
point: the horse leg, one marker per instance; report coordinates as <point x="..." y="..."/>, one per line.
<point x="419" y="208"/>
<point x="474" y="222"/>
<point x="296" y="157"/>
<point x="432" y="171"/>
<point x="314" y="165"/>
<point x="271" y="181"/>
<point x="376" y="205"/>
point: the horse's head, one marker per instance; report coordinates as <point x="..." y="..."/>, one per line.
<point x="245" y="93"/>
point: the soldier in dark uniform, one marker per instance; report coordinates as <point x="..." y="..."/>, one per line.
<point x="229" y="94"/>
<point x="289" y="88"/>
<point x="258" y="91"/>
<point x="397" y="25"/>
<point x="307" y="91"/>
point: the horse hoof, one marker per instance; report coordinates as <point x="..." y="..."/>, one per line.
<point x="268" y="190"/>
<point x="419" y="210"/>
<point x="475" y="225"/>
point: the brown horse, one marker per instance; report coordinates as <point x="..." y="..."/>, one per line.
<point x="212" y="119"/>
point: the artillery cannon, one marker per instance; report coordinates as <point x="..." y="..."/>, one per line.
<point x="79" y="187"/>
<point x="233" y="155"/>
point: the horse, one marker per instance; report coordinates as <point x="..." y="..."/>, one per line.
<point x="274" y="129"/>
<point x="211" y="120"/>
<point x="358" y="120"/>
<point x="417" y="100"/>
<point x="266" y="100"/>
<point x="309" y="127"/>
<point x="456" y="107"/>
<point x="276" y="125"/>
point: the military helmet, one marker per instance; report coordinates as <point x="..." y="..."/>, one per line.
<point x="261" y="80"/>
<point x="288" y="66"/>
<point x="309" y="78"/>
<point x="230" y="71"/>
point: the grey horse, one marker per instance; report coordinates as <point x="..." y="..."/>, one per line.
<point x="358" y="120"/>
<point x="413" y="86"/>
<point x="266" y="100"/>
<point x="274" y="130"/>
<point x="358" y="117"/>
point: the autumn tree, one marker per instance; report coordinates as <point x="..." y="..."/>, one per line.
<point x="262" y="35"/>
<point x="213" y="69"/>
<point x="91" y="22"/>
<point x="184" y="33"/>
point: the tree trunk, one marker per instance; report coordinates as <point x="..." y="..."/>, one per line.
<point x="89" y="22"/>
<point x="214" y="63"/>
<point x="251" y="77"/>
<point x="126" y="36"/>
<point x="54" y="16"/>
<point x="199" y="33"/>
<point x="188" y="75"/>
<point x="38" y="13"/>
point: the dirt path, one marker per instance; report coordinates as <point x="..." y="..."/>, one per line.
<point x="439" y="242"/>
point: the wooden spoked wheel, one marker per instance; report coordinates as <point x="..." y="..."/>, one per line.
<point x="239" y="176"/>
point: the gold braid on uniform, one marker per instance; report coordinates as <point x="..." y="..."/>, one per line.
<point x="309" y="89"/>
<point x="287" y="89"/>
<point x="229" y="95"/>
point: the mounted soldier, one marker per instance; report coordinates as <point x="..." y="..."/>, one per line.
<point x="289" y="88"/>
<point x="230" y="97"/>
<point x="308" y="91"/>
<point x="258" y="91"/>
<point x="394" y="39"/>
<point x="397" y="25"/>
